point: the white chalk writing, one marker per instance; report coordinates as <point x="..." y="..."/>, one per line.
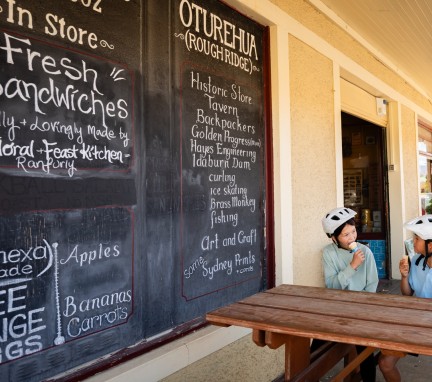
<point x="227" y="150"/>
<point x="44" y="142"/>
<point x="209" y="34"/>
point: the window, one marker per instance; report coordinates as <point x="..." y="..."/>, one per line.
<point x="425" y="167"/>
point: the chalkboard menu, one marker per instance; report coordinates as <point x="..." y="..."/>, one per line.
<point x="220" y="153"/>
<point x="132" y="176"/>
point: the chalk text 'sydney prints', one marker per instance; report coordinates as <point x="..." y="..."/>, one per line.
<point x="62" y="112"/>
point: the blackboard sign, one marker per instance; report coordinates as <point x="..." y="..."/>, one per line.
<point x="69" y="84"/>
<point x="205" y="174"/>
<point x="132" y="176"/>
<point x="222" y="126"/>
<point x="47" y="261"/>
<point x="221" y="152"/>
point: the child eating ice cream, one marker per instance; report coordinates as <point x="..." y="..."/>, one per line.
<point x="348" y="265"/>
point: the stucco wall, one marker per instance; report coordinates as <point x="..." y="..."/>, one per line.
<point x="313" y="157"/>
<point x="410" y="166"/>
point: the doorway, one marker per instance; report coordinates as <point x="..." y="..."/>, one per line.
<point x="366" y="185"/>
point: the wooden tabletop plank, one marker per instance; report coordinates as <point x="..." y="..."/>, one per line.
<point x="386" y="335"/>
<point x="342" y="309"/>
<point x="358" y="297"/>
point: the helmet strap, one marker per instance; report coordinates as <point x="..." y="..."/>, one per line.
<point x="336" y="241"/>
<point x="427" y="253"/>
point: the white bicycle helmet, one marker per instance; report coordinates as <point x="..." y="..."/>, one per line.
<point x="421" y="226"/>
<point x="335" y="218"/>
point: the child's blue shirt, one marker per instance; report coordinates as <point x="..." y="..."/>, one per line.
<point x="420" y="280"/>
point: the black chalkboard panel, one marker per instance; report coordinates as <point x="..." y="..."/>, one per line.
<point x="66" y="275"/>
<point x="132" y="177"/>
<point x="48" y="258"/>
<point x="70" y="93"/>
<point x="205" y="172"/>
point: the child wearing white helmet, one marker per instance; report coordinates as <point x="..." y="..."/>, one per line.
<point x="348" y="265"/>
<point x="416" y="280"/>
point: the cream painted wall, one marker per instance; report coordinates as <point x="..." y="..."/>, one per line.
<point x="313" y="157"/>
<point x="396" y="185"/>
<point x="410" y="167"/>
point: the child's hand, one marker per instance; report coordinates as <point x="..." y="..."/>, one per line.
<point x="358" y="259"/>
<point x="404" y="267"/>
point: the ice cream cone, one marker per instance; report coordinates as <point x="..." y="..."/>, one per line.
<point x="353" y="247"/>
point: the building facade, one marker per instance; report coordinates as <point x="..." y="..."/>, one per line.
<point x="344" y="131"/>
<point x="320" y="69"/>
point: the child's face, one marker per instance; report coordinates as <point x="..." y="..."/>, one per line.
<point x="347" y="236"/>
<point x="419" y="245"/>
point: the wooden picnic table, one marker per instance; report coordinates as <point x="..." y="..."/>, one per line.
<point x="291" y="315"/>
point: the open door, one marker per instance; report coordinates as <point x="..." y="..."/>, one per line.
<point x="366" y="185"/>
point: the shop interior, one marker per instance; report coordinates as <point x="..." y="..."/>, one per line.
<point x="365" y="185"/>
